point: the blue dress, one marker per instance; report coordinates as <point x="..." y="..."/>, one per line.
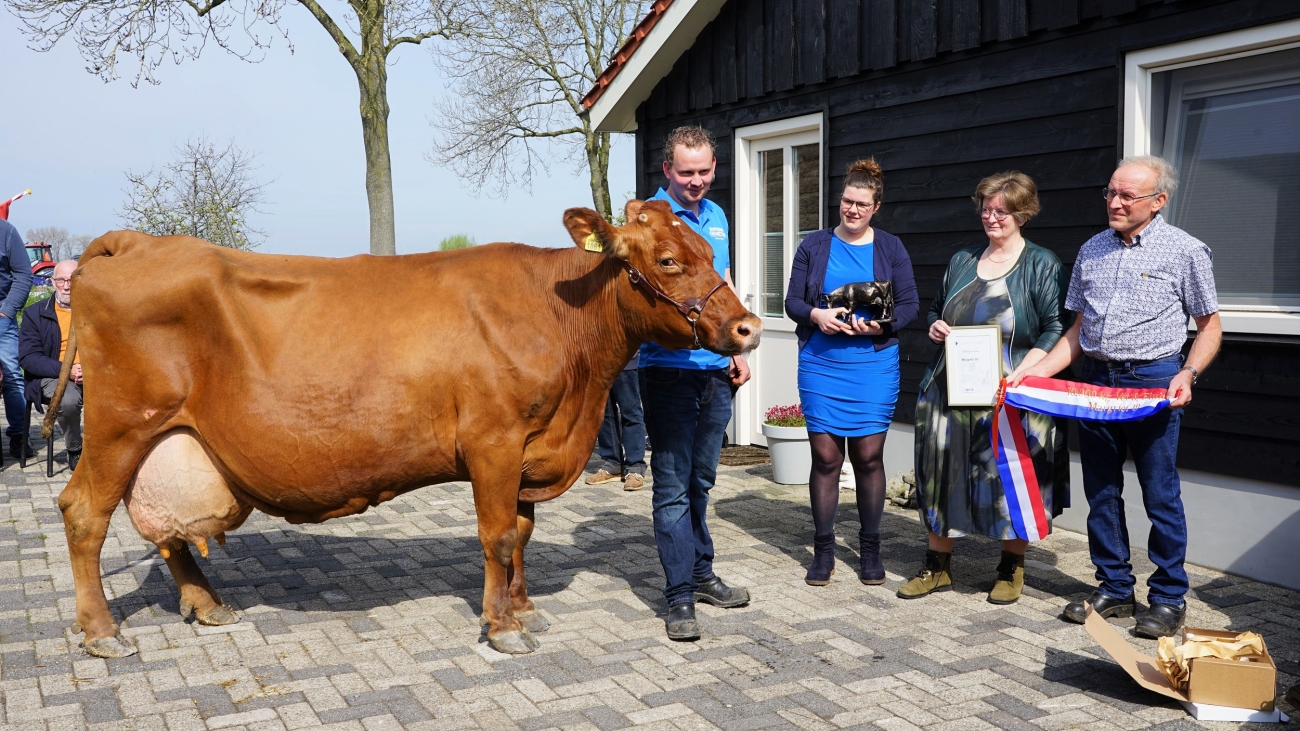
<point x="846" y="386"/>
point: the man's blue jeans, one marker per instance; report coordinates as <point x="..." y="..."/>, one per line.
<point x="686" y="413"/>
<point x="622" y="435"/>
<point x="1153" y="442"/>
<point x="15" y="401"/>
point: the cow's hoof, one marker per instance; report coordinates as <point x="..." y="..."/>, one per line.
<point x="218" y="616"/>
<point x="517" y="642"/>
<point x="533" y="621"/>
<point x="109" y="647"/>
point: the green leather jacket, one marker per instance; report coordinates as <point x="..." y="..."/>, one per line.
<point x="1037" y="283"/>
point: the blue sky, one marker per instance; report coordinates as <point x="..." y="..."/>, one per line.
<point x="69" y="137"/>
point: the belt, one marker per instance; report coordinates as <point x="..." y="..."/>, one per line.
<point x="1124" y="365"/>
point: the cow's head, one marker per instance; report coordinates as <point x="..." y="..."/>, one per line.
<point x="676" y="265"/>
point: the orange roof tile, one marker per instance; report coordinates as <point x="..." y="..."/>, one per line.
<point x="621" y="58"/>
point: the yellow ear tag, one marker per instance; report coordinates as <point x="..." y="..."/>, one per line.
<point x="593" y="243"/>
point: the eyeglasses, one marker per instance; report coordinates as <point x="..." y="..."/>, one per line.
<point x="994" y="213"/>
<point x="61" y="281"/>
<point x="855" y="205"/>
<point x="1125" y="199"/>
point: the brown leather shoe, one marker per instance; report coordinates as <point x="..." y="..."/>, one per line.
<point x="1011" y="579"/>
<point x="935" y="575"/>
<point x="633" y="481"/>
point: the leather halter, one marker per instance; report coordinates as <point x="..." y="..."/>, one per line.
<point x="691" y="309"/>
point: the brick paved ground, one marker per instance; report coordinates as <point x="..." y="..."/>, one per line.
<point x="370" y="622"/>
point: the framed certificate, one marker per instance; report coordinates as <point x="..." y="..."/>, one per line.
<point x="973" y="358"/>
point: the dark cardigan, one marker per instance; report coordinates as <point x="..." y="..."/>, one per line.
<point x="808" y="273"/>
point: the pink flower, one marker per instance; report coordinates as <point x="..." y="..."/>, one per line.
<point x="785" y="416"/>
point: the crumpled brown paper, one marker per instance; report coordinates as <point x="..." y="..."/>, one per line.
<point x="1175" y="660"/>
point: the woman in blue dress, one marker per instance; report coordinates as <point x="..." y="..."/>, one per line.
<point x="848" y="372"/>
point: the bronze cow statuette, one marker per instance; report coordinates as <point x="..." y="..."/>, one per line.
<point x="877" y="297"/>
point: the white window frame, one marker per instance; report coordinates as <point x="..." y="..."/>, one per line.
<point x="748" y="142"/>
<point x="1139" y="69"/>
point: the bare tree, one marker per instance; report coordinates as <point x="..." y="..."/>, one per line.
<point x="63" y="245"/>
<point x="206" y="192"/>
<point x="518" y="73"/>
<point x="366" y="33"/>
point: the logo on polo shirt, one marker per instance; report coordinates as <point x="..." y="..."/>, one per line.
<point x="717" y="232"/>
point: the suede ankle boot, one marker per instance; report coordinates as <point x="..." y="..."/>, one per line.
<point x="1011" y="579"/>
<point x="933" y="576"/>
<point x="870" y="570"/>
<point x="823" y="564"/>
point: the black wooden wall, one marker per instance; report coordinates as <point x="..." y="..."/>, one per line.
<point x="945" y="92"/>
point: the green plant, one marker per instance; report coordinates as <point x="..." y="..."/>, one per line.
<point x="36" y="295"/>
<point x="456" y="241"/>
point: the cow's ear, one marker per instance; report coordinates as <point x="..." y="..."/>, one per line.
<point x="593" y="233"/>
<point x="631" y="209"/>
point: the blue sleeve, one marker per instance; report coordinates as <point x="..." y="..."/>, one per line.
<point x="795" y="306"/>
<point x="21" y="271"/>
<point x="907" y="304"/>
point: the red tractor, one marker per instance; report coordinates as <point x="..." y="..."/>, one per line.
<point x="42" y="262"/>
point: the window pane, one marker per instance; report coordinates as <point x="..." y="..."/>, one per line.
<point x="808" y="177"/>
<point x="772" y="272"/>
<point x="1238" y="154"/>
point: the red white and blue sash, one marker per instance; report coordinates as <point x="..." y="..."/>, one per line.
<point x="1055" y="398"/>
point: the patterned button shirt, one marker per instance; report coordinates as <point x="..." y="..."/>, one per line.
<point x="1135" y="300"/>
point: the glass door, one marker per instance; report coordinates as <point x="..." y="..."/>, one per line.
<point x="790" y="205"/>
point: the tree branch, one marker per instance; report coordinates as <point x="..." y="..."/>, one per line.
<point x="345" y="45"/>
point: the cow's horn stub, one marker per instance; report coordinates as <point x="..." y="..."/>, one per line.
<point x="643" y="218"/>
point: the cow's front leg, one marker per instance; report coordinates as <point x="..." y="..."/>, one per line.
<point x="496" y="500"/>
<point x="85" y="521"/>
<point x="520" y="604"/>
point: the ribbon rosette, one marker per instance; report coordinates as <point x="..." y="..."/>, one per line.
<point x="1053" y="397"/>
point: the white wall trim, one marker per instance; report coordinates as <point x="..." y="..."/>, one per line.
<point x="1141" y="66"/>
<point x="746" y="141"/>
<point x="673" y="35"/>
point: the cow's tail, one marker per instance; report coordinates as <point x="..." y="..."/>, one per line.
<point x="65" y="373"/>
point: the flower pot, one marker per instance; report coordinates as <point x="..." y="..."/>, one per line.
<point x="791" y="455"/>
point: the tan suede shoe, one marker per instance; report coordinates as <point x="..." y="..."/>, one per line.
<point x="633" y="481"/>
<point x="933" y="576"/>
<point x="1011" y="579"/>
<point x="602" y="476"/>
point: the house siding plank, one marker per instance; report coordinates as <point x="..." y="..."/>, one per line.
<point x="725" y="80"/>
<point x="753" y="33"/>
<point x="843" y="26"/>
<point x="810" y="55"/>
<point x="965" y="25"/>
<point x="1013" y="21"/>
<point x="780" y="56"/>
<point x="882" y="33"/>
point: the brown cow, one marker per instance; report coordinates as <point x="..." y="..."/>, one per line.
<point x="219" y="381"/>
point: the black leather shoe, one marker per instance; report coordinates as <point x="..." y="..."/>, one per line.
<point x="18" y="445"/>
<point x="1160" y="620"/>
<point x="1104" y="605"/>
<point x="719" y="594"/>
<point x="74" y="456"/>
<point x="681" y="624"/>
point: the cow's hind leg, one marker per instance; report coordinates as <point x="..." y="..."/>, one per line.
<point x="197" y="595"/>
<point x="496" y="496"/>
<point x="86" y="520"/>
<point x="520" y="604"/>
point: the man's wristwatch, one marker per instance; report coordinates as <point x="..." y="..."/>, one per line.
<point x="1195" y="373"/>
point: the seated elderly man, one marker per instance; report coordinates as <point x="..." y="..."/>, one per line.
<point x="42" y="343"/>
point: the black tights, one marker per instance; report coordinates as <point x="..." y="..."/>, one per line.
<point x="867" y="457"/>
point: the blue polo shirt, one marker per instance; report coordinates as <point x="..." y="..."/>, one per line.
<point x="712" y="225"/>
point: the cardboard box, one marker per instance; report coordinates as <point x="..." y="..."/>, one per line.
<point x="1249" y="683"/>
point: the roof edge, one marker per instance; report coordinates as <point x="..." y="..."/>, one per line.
<point x="668" y="30"/>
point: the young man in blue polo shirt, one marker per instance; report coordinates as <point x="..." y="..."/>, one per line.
<point x="687" y="397"/>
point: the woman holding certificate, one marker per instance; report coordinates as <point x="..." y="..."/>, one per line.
<point x="848" y="363"/>
<point x="1007" y="294"/>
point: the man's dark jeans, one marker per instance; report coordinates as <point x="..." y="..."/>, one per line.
<point x="1153" y="442"/>
<point x="686" y="414"/>
<point x="621" y="442"/>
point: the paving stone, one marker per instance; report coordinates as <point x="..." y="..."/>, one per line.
<point x="371" y="622"/>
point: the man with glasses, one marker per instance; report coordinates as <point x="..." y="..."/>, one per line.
<point x="15" y="283"/>
<point x="42" y="345"/>
<point x="1134" y="287"/>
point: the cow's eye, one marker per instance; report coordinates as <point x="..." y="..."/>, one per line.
<point x="667" y="262"/>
